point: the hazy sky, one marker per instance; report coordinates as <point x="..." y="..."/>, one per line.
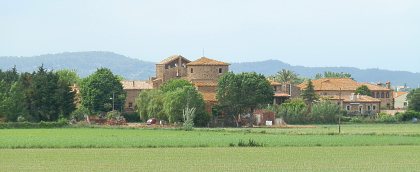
<point x="359" y="33"/>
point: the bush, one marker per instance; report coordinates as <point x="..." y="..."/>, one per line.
<point x="79" y="114"/>
<point x="325" y="112"/>
<point x="132" y="117"/>
<point x="41" y="124"/>
<point x="387" y="119"/>
<point x="356" y="120"/>
<point x="409" y="115"/>
<point x="292" y="111"/>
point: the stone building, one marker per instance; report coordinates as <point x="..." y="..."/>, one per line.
<point x="203" y="73"/>
<point x="133" y="89"/>
<point x="346" y="87"/>
<point x="357" y="104"/>
<point x="284" y="91"/>
<point x="172" y="67"/>
<point x="400" y="99"/>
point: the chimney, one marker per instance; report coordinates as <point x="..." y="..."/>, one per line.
<point x="133" y="83"/>
<point x="388" y="85"/>
<point x="352" y="97"/>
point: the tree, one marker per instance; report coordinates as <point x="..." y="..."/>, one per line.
<point x="292" y="111"/>
<point x="363" y="90"/>
<point x="14" y="103"/>
<point x="242" y="93"/>
<point x="287" y="76"/>
<point x="180" y="99"/>
<point x="309" y="95"/>
<point x="325" y="112"/>
<point x="414" y="100"/>
<point x="329" y="74"/>
<point x="102" y="88"/>
<point x="174" y="84"/>
<point x="149" y="104"/>
<point x="68" y="77"/>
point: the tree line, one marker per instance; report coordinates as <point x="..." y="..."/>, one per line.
<point x="38" y="96"/>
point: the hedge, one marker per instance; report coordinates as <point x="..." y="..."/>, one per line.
<point x="41" y="124"/>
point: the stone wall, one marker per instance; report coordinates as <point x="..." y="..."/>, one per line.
<point x="131" y="98"/>
<point x="205" y="73"/>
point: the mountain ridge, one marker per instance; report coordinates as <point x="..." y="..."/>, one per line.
<point x="87" y="62"/>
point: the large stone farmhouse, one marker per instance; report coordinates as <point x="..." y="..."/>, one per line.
<point x="342" y="91"/>
<point x="203" y="73"/>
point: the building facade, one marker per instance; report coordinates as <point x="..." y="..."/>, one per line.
<point x="331" y="88"/>
<point x="133" y="89"/>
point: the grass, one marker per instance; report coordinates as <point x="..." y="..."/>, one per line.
<point x="360" y="147"/>
<point x="353" y="135"/>
<point x="381" y="158"/>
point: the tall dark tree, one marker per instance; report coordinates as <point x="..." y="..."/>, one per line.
<point x="45" y="101"/>
<point x="309" y="95"/>
<point x="101" y="90"/>
<point x="242" y="93"/>
<point x="414" y="100"/>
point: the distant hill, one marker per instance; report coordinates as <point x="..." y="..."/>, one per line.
<point x="86" y="63"/>
<point x="270" y="67"/>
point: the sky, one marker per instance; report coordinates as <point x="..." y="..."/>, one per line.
<point x="358" y="33"/>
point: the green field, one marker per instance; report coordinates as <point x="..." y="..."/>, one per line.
<point x="361" y="147"/>
<point x="372" y="158"/>
<point x="353" y="135"/>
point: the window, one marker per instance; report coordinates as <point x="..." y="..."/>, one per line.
<point x="382" y="95"/>
<point x="220" y="70"/>
<point x="348" y="108"/>
<point x="377" y="95"/>
<point x="387" y="94"/>
<point x="130" y="105"/>
<point x="374" y="107"/>
<point x="192" y="70"/>
<point x="275" y="88"/>
<point x="369" y="108"/>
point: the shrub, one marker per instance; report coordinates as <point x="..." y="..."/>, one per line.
<point x="292" y="111"/>
<point x="251" y="143"/>
<point x="325" y="112"/>
<point x="387" y="119"/>
<point x="188" y="115"/>
<point x="409" y="115"/>
<point x="41" y="124"/>
<point x="356" y="120"/>
<point x="132" y="117"/>
<point x="79" y="114"/>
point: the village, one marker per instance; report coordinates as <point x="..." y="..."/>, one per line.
<point x="204" y="73"/>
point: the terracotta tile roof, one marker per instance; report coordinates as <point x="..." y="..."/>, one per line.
<point x="374" y="87"/>
<point x="172" y="58"/>
<point x="274" y="83"/>
<point x="346" y="84"/>
<point x="399" y="93"/>
<point x="136" y="85"/>
<point x="209" y="96"/>
<point x="361" y="98"/>
<point x="281" y="95"/>
<point x="204" y="61"/>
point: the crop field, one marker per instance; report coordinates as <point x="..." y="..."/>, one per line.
<point x="372" y="158"/>
<point x="360" y="147"/>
